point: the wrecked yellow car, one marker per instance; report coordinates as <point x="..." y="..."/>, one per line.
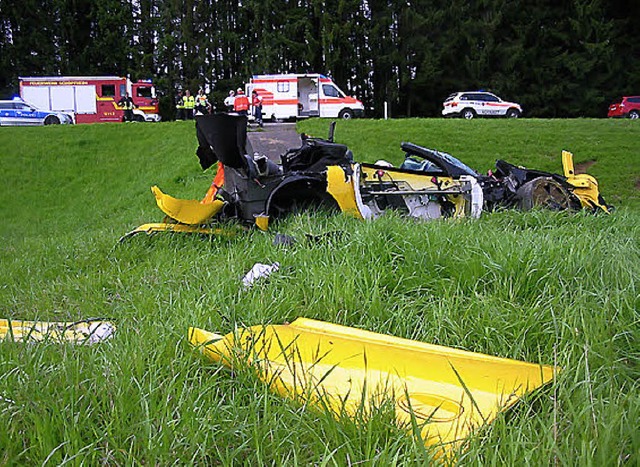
<point x="252" y="188"/>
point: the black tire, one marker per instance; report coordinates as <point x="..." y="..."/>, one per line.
<point x="545" y="192"/>
<point x="634" y="115"/>
<point x="468" y="114"/>
<point x="52" y="120"/>
<point x="300" y="196"/>
<point x="346" y="114"/>
<point x="513" y="113"/>
<point x="138" y="118"/>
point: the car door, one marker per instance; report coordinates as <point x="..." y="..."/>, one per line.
<point x="7" y="113"/>
<point x="493" y="105"/>
<point x="107" y="108"/>
<point x="480" y="104"/>
<point x="473" y="101"/>
<point x="27" y="115"/>
<point x="330" y="101"/>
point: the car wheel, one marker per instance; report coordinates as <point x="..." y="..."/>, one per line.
<point x="52" y="120"/>
<point x="513" y="113"/>
<point x="545" y="192"/>
<point x="468" y="114"/>
<point x="634" y="114"/>
<point x="346" y="114"/>
<point x="138" y="118"/>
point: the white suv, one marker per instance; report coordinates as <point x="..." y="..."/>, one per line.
<point x="471" y="104"/>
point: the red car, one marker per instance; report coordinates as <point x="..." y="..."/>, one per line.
<point x="625" y="107"/>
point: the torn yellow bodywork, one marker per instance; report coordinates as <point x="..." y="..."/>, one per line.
<point x="186" y="211"/>
<point x="449" y="392"/>
<point x="419" y="182"/>
<point x="585" y="186"/>
<point x="80" y="332"/>
<point x="262" y="222"/>
<point x="343" y="191"/>
<point x="152" y="228"/>
<point x="348" y="191"/>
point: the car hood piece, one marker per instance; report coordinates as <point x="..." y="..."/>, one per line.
<point x="223" y="138"/>
<point x="78" y="332"/>
<point x="447" y="392"/>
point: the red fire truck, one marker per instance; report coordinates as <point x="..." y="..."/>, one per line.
<point x="91" y="98"/>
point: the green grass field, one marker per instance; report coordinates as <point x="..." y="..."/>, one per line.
<point x="540" y="286"/>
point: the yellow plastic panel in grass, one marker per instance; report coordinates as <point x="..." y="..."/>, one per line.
<point x="186" y="211"/>
<point x="80" y="332"/>
<point x="450" y="392"/>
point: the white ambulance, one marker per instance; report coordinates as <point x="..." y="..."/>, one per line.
<point x="296" y="95"/>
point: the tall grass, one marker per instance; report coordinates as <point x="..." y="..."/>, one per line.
<point x="543" y="287"/>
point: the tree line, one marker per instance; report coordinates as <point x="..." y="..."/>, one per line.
<point x="558" y="58"/>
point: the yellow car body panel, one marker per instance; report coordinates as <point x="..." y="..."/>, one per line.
<point x="152" y="228"/>
<point x="585" y="186"/>
<point x="350" y="191"/>
<point x="186" y="211"/>
<point x="448" y="392"/>
<point x="342" y="190"/>
<point x="80" y="332"/>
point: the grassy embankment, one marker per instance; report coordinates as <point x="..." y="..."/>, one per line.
<point x="539" y="286"/>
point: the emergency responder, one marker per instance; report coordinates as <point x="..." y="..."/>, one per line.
<point x="229" y="100"/>
<point x="179" y="106"/>
<point x="126" y="103"/>
<point x="241" y="103"/>
<point x="189" y="103"/>
<point x="202" y="103"/>
<point x="256" y="103"/>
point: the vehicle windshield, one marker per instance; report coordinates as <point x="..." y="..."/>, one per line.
<point x="145" y="92"/>
<point x="331" y="91"/>
<point x="453" y="161"/>
<point x="24" y="105"/>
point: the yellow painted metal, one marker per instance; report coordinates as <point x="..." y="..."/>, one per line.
<point x="411" y="181"/>
<point x="180" y="228"/>
<point x="567" y="164"/>
<point x="186" y="211"/>
<point x="342" y="190"/>
<point x="585" y="187"/>
<point x="262" y="222"/>
<point x="415" y="181"/>
<point x="449" y="392"/>
<point x="81" y="332"/>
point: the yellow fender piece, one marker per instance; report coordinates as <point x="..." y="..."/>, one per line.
<point x="343" y="191"/>
<point x="585" y="187"/>
<point x="446" y="391"/>
<point x="80" y="332"/>
<point x="186" y="211"/>
<point x="179" y="228"/>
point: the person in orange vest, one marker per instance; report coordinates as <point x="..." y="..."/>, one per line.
<point x="241" y="104"/>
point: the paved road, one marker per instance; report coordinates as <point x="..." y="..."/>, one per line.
<point x="273" y="140"/>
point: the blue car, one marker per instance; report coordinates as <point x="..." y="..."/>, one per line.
<point x="19" y="112"/>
